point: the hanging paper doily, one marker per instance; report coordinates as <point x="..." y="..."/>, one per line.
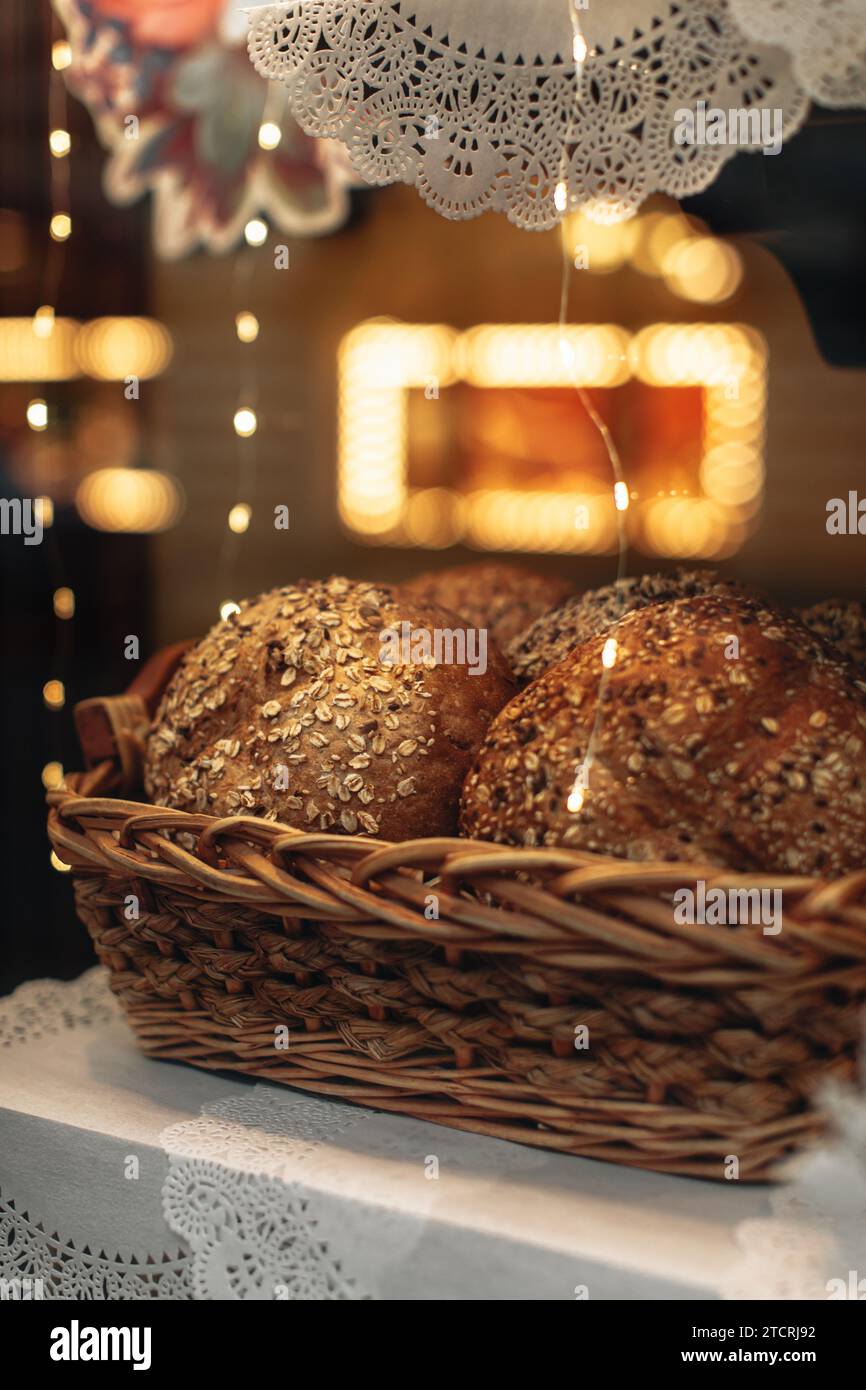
<point x="825" y="38"/>
<point x="177" y="106"/>
<point x="478" y="103"/>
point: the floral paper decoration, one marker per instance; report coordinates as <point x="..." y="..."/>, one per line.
<point x="531" y="107"/>
<point x="179" y="109"/>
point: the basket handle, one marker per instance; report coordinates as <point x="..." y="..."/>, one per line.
<point x="113" y="728"/>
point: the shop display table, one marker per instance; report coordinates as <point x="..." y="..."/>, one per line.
<point x="125" y="1178"/>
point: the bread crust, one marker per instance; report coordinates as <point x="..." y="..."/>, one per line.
<point x="285" y="711"/>
<point x="553" y="636"/>
<point x="755" y="761"/>
<point x="842" y="624"/>
<point x="505" y="599"/>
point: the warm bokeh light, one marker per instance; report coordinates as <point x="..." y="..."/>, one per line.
<point x="44" y="510"/>
<point x="54" y="694"/>
<point x="64" y="603"/>
<point x="29" y="352"/>
<point x="247" y="326"/>
<point x="52" y="776"/>
<point x="228" y="608"/>
<point x="703" y="269"/>
<point x="598" y="248"/>
<point x="541" y="354"/>
<point x="60" y="143"/>
<point x="270" y="135"/>
<point x="60" y="226"/>
<point x="245" y="422"/>
<point x="381" y="362"/>
<point x="37" y="415"/>
<point x="256" y="232"/>
<point x="239" y="518"/>
<point x="136" y="500"/>
<point x="61" y="55"/>
<point x="112" y="349"/>
<point x="43" y="321"/>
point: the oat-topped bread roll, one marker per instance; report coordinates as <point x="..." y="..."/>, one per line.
<point x="748" y="752"/>
<point x="505" y="599"/>
<point x="288" y="711"/>
<point x="553" y="636"/>
<point x="841" y="623"/>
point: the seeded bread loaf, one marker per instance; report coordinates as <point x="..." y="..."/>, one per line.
<point x="504" y="599"/>
<point x="842" y="624"/>
<point x="286" y="711"/>
<point x="727" y="733"/>
<point x="558" y="632"/>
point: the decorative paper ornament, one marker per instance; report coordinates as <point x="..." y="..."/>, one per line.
<point x="176" y="104"/>
<point x="530" y="107"/>
<point x="826" y="40"/>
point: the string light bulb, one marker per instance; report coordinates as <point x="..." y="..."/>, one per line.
<point x="37" y="415"/>
<point x="61" y="55"/>
<point x="247" y="326"/>
<point x="43" y="321"/>
<point x="560" y="196"/>
<point x="54" y="694"/>
<point x="576" y="798"/>
<point x="245" y="422"/>
<point x="620" y="496"/>
<point x="60" y="143"/>
<point x="228" y="608"/>
<point x="240" y="517"/>
<point x="61" y="226"/>
<point x="52" y="776"/>
<point x="64" y="603"/>
<point x="59" y="865"/>
<point x="609" y="654"/>
<point x="256" y="232"/>
<point x="270" y="135"/>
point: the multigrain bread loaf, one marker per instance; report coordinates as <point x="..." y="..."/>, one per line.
<point x="727" y="733"/>
<point x="558" y="632"/>
<point x="504" y="599"/>
<point x="842" y="624"/>
<point x="286" y="711"/>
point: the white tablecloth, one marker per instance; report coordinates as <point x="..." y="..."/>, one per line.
<point x="122" y="1177"/>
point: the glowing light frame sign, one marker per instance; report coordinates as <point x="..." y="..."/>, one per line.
<point x="381" y="361"/>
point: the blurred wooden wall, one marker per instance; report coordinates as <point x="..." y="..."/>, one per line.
<point x="398" y="258"/>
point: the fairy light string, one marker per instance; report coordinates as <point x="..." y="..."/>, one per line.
<point x="245" y="420"/>
<point x="38" y="412"/>
<point x="580" y="53"/>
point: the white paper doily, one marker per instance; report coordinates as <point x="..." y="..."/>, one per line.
<point x="826" y="40"/>
<point x="234" y="1193"/>
<point x="478" y="104"/>
<point x="31" y="1249"/>
<point x="814" y="1244"/>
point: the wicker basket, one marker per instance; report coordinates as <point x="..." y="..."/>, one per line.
<point x="704" y="1042"/>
